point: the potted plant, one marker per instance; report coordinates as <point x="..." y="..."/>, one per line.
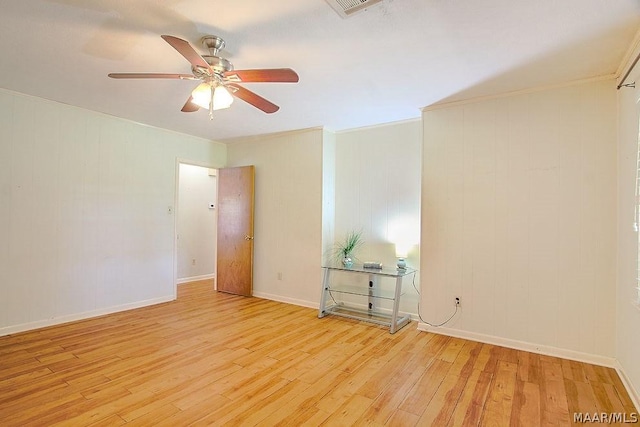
<point x="344" y="250"/>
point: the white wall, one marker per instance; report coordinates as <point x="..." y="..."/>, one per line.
<point x="377" y="191"/>
<point x="628" y="314"/>
<point x="288" y="213"/>
<point x="196" y="227"/>
<point x="328" y="193"/>
<point x="519" y="219"/>
<point x="84" y="217"/>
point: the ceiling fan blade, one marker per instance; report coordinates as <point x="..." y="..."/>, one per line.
<point x="185" y="49"/>
<point x="273" y="75"/>
<point x="151" y="76"/>
<point x="253" y="99"/>
<point x="189" y="107"/>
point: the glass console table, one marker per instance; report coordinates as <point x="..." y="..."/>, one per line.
<point x="374" y="294"/>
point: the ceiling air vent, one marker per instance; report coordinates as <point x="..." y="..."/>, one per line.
<point x="346" y="8"/>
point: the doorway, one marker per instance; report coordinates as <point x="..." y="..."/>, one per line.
<point x="196" y="223"/>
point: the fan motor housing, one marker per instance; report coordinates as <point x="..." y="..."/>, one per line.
<point x="219" y="65"/>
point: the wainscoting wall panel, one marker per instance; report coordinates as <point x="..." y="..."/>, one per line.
<point x="519" y="217"/>
<point x="86" y="211"/>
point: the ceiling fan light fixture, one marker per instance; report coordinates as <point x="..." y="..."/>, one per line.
<point x="219" y="85"/>
<point x="221" y="98"/>
<point x="201" y="95"/>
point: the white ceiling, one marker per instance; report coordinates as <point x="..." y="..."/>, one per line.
<point x="378" y="66"/>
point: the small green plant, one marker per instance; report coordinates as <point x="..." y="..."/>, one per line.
<point x="348" y="246"/>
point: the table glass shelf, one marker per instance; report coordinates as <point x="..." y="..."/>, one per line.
<point x="373" y="293"/>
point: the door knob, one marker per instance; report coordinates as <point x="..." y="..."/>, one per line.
<point x="247" y="237"/>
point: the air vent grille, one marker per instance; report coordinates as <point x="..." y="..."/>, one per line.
<point x="346" y="8"/>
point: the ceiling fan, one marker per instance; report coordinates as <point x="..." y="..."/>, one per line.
<point x="219" y="81"/>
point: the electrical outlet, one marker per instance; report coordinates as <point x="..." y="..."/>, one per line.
<point x="457" y="301"/>
<point x="193" y="261"/>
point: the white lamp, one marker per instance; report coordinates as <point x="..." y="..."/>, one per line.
<point x="402" y="251"/>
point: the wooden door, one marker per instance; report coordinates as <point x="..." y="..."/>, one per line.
<point x="235" y="230"/>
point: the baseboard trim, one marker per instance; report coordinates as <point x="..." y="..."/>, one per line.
<point x="294" y="301"/>
<point x="633" y="393"/>
<point x="195" y="278"/>
<point x="594" y="359"/>
<point x="82" y="316"/>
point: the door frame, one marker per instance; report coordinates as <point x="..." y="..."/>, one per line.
<point x="176" y="195"/>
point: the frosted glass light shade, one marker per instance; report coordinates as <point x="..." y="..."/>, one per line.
<point x="402" y="250"/>
<point x="222" y="98"/>
<point x="201" y="96"/>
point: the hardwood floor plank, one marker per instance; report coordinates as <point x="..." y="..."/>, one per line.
<point x="254" y="384"/>
<point x="553" y="396"/>
<point x="214" y="358"/>
<point x="310" y="418"/>
<point x="11" y="383"/>
<point x="607" y="399"/>
<point x="44" y="412"/>
<point x="580" y="397"/>
<point x="49" y="397"/>
<point x="153" y="418"/>
<point x="98" y="410"/>
<point x="622" y="392"/>
<point x="435" y="346"/>
<point x="347" y="413"/>
<point x="488" y="358"/>
<point x="303" y="405"/>
<point x="238" y="410"/>
<point x="451" y="350"/>
<point x="112" y="420"/>
<point x="390" y="397"/>
<point x="22" y="343"/>
<point x="508" y="355"/>
<point x="421" y="393"/>
<point x="525" y="410"/>
<point x="204" y="388"/>
<point x="255" y="414"/>
<point x="23" y="367"/>
<point x="415" y="341"/>
<point x="443" y="403"/>
<point x="345" y="390"/>
<point x="402" y="419"/>
<point x="529" y="367"/>
<point x="337" y="354"/>
<point x="466" y="359"/>
<point x="304" y="363"/>
<point x="379" y="380"/>
<point x="497" y="411"/>
<point x="574" y="371"/>
<point x="356" y="360"/>
<point x="468" y="410"/>
<point x="31" y="389"/>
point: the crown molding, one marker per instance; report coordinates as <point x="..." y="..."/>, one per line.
<point x="536" y="89"/>
<point x="629" y="56"/>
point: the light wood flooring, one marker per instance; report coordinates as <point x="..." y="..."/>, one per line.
<point x="214" y="358"/>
